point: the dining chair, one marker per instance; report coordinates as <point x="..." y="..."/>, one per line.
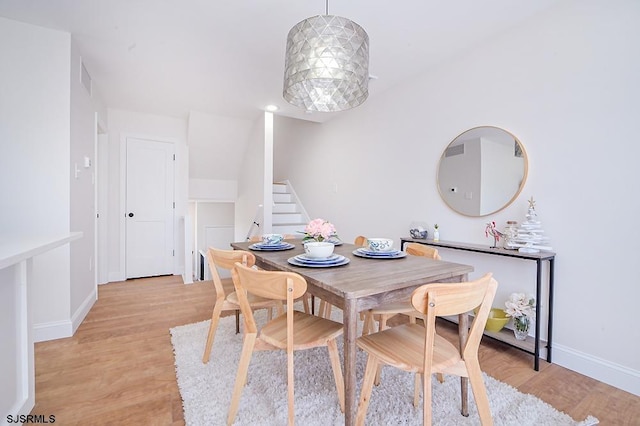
<point x="360" y="241"/>
<point x="290" y="332"/>
<point x="226" y="297"/>
<point x="403" y="307"/>
<point x="384" y="312"/>
<point x="414" y="348"/>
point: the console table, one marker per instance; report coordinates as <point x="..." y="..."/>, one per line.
<point x="503" y="335"/>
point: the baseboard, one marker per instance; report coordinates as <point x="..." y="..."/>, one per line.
<point x="115" y="277"/>
<point x="600" y="369"/>
<point x="83" y="310"/>
<point x="52" y="330"/>
<point x="64" y="328"/>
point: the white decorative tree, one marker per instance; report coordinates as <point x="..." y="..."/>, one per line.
<point x="530" y="236"/>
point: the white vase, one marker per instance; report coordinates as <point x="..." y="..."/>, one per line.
<point x="436" y="235"/>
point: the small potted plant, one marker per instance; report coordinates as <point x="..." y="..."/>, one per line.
<point x="436" y="233"/>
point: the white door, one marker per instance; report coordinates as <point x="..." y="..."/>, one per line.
<point x="149" y="208"/>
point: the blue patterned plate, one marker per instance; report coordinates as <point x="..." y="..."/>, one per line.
<point x="340" y="262"/>
<point x="394" y="254"/>
<point x="334" y="258"/>
<point x="271" y="247"/>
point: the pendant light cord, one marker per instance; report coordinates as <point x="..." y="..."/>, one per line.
<point x="326" y="10"/>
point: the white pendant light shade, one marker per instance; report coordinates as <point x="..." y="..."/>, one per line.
<point x="326" y="64"/>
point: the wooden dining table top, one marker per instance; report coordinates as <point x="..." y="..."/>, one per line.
<point x="361" y="277"/>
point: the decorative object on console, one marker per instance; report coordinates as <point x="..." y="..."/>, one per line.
<point x="530" y="236"/>
<point x="522" y="309"/>
<point x="510" y="234"/>
<point x="326" y="64"/>
<point x="418" y="230"/>
<point x="436" y="233"/>
<point x="319" y="230"/>
<point x="491" y="229"/>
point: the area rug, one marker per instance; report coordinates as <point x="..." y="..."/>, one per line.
<point x="206" y="389"/>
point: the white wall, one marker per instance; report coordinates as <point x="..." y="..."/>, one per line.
<point x="35" y="160"/>
<point x="562" y="83"/>
<point x="83" y="190"/>
<point x="250" y="181"/>
<point x="216" y="145"/>
<point x="168" y="129"/>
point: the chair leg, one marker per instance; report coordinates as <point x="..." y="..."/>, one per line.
<point x="367" y="387"/>
<point x="464" y="395"/>
<point x="479" y="392"/>
<point x="241" y="376"/>
<point x="215" y="318"/>
<point x="426" y="399"/>
<point x="334" y="356"/>
<point x="382" y="326"/>
<point x="417" y="384"/>
<point x="367" y="327"/>
<point x="305" y="303"/>
<point x="290" y="388"/>
<point x="237" y="321"/>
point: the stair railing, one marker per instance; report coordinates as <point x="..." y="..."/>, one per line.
<point x="255" y="225"/>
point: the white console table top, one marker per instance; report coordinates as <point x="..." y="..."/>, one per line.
<point x="15" y="250"/>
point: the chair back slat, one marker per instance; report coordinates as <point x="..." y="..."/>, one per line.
<point x="417" y="249"/>
<point x="226" y="259"/>
<point x="445" y="299"/>
<point x="270" y="284"/>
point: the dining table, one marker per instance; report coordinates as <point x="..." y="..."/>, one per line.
<point x="362" y="283"/>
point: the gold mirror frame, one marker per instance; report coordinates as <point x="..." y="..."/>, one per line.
<point x="482" y="171"/>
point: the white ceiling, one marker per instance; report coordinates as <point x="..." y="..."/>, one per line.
<point x="170" y="57"/>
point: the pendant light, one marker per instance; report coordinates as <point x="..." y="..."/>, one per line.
<point x="326" y="64"/>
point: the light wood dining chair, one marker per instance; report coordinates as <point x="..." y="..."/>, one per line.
<point x="411" y="347"/>
<point x="360" y="241"/>
<point x="226" y="297"/>
<point x="290" y="332"/>
<point x="384" y="312"/>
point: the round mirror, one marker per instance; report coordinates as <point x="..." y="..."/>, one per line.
<point x="482" y="171"/>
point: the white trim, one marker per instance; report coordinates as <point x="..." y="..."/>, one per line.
<point x="600" y="369"/>
<point x="66" y="328"/>
<point x="52" y="330"/>
<point x="82" y="311"/>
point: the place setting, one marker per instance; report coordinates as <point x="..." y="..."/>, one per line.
<point x="379" y="248"/>
<point x="318" y="255"/>
<point x="271" y="242"/>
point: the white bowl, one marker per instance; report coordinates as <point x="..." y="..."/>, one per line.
<point x="380" y="244"/>
<point x="318" y="250"/>
<point x="272" y="239"/>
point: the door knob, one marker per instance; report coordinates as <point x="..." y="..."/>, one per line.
<point x="130" y="214"/>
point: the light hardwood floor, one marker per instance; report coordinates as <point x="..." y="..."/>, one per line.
<point x="118" y="368"/>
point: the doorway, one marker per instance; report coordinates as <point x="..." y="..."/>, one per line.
<point x="149" y="208"/>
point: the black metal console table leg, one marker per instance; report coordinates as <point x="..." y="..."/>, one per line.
<point x="536" y="355"/>
<point x="550" y="315"/>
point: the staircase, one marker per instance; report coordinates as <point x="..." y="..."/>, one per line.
<point x="289" y="217"/>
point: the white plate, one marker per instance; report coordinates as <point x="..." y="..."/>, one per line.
<point x="296" y="262"/>
<point x="398" y="255"/>
<point x="392" y="252"/>
<point x="262" y="247"/>
<point x="331" y="259"/>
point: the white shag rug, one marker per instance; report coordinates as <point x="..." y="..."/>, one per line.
<point x="206" y="389"/>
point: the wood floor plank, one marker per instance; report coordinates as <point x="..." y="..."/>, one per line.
<point x="119" y="368"/>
